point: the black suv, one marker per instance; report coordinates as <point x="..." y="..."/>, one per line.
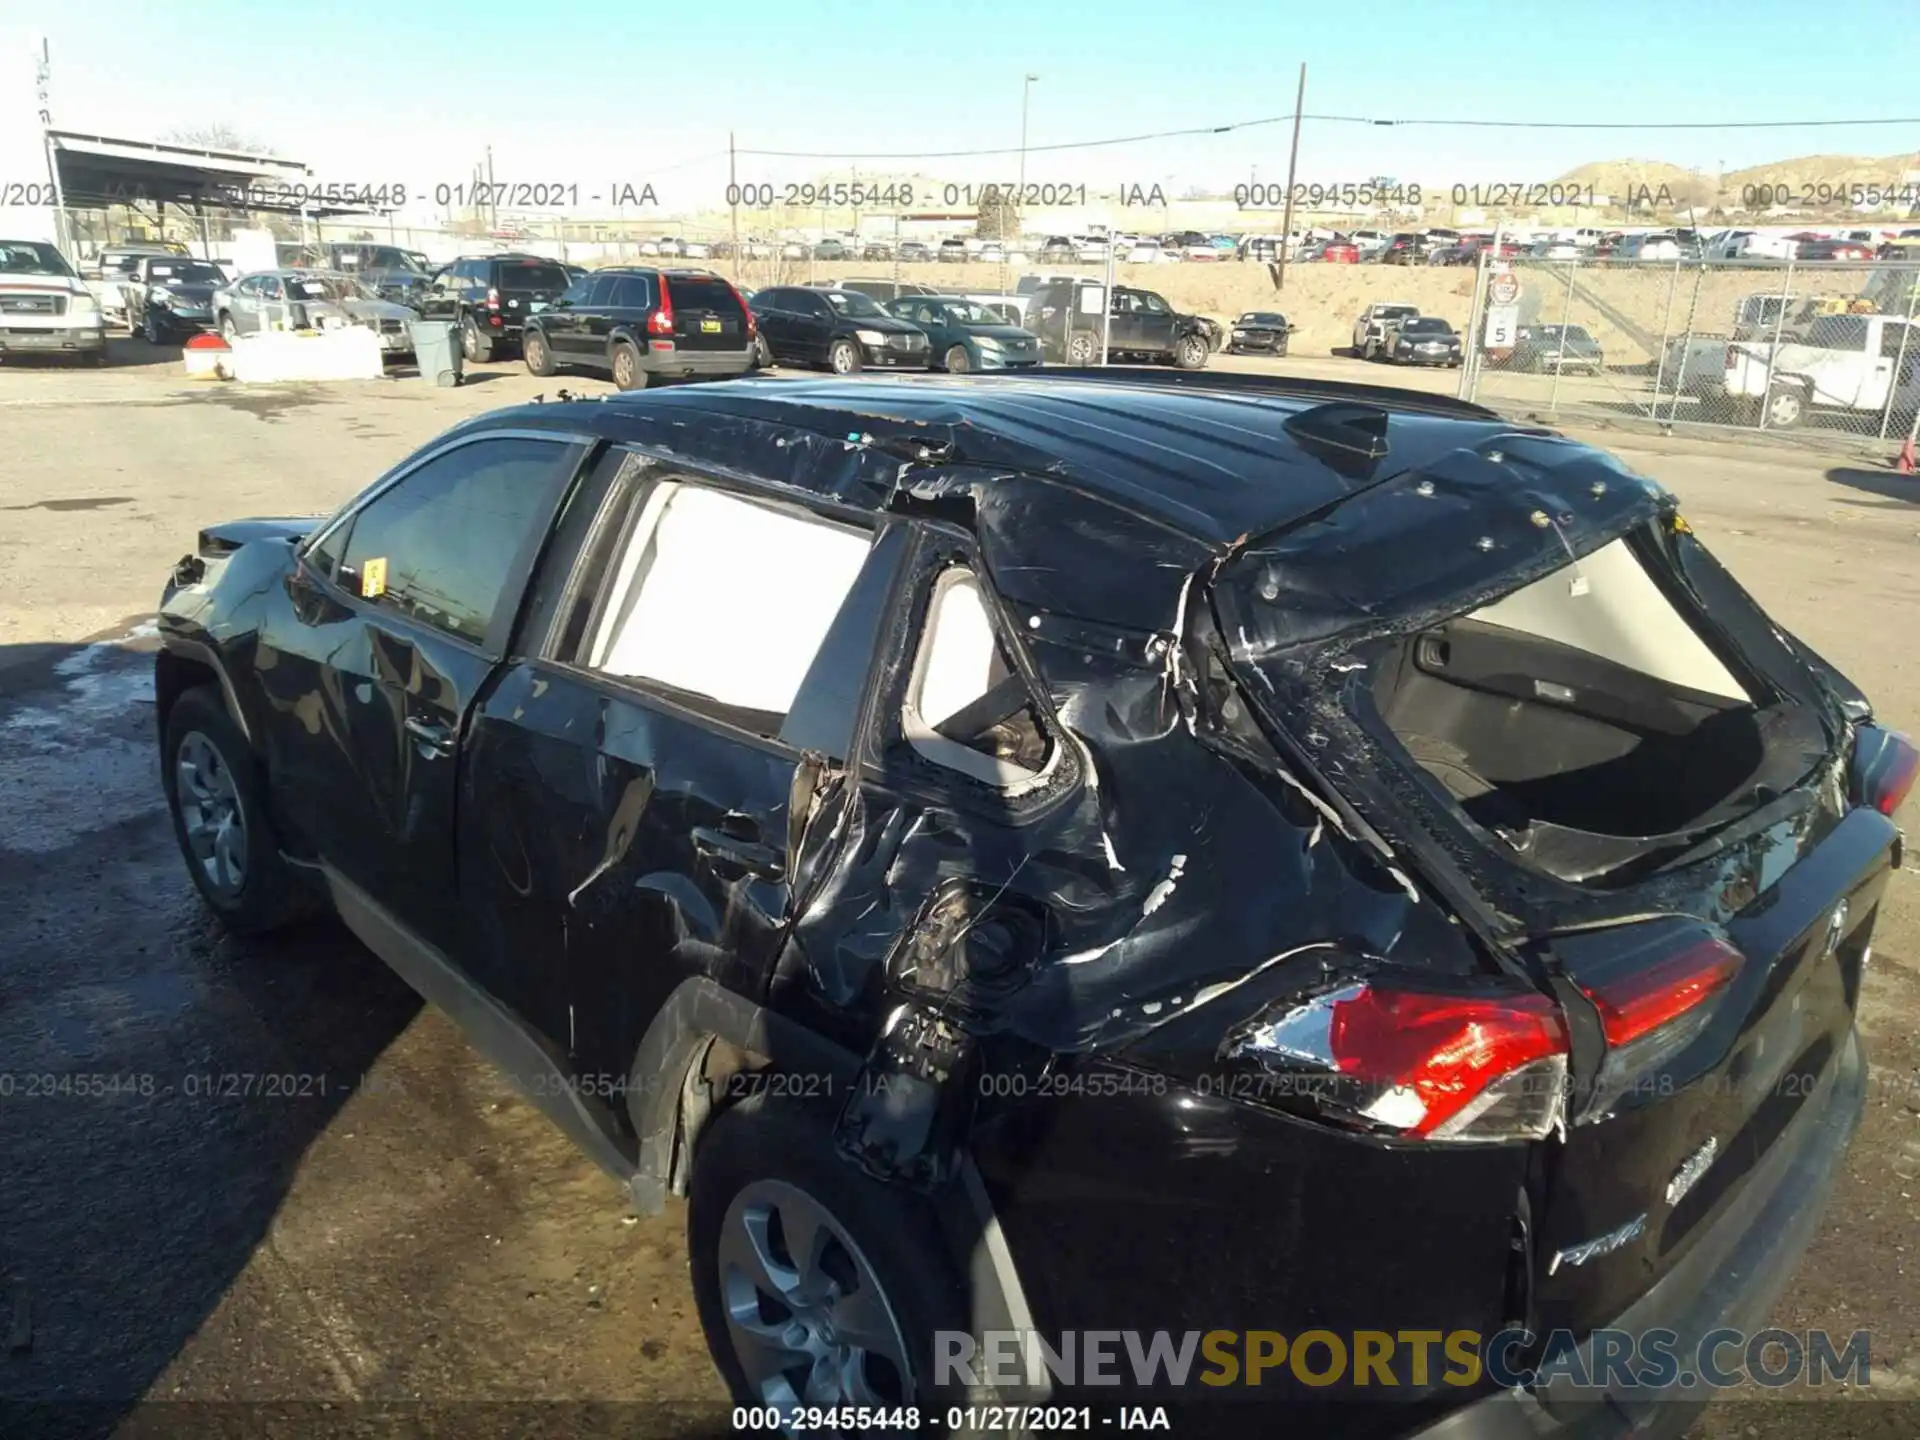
<point x="1099" y="874"/>
<point x="638" y="322"/>
<point x="843" y="330"/>
<point x="490" y="297"/>
<point x="393" y="273"/>
<point x="1141" y="326"/>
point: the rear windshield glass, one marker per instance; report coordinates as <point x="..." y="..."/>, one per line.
<point x="187" y="272"/>
<point x="699" y="293"/>
<point x="529" y="275"/>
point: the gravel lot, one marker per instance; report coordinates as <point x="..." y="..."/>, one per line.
<point x="415" y="1233"/>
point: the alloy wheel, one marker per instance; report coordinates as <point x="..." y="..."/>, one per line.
<point x="211" y="815"/>
<point x="808" y="1320"/>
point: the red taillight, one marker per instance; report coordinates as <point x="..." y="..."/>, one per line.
<point x="493" y="299"/>
<point x="1636" y="1005"/>
<point x="1887" y="765"/>
<point x="1434" y="1060"/>
<point x="660" y="322"/>
<point x="746" y="314"/>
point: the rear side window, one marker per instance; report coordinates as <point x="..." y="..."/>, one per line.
<point x="630" y="292"/>
<point x="439" y="546"/>
<point x="967" y="708"/>
<point x="676" y="617"/>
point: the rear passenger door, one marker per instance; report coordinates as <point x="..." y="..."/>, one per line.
<point x="616" y="302"/>
<point x="399" y="612"/>
<point x="644" y="772"/>
<point x="565" y="324"/>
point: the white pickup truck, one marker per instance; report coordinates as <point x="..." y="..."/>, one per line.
<point x="1854" y="363"/>
<point x="45" y="308"/>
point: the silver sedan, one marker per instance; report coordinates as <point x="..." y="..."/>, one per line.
<point x="299" y="299"/>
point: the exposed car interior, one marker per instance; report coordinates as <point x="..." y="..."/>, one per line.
<point x="1585" y="700"/>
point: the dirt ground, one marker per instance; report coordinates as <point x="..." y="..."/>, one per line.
<point x="421" y="1234"/>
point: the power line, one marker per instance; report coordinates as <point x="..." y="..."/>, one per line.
<point x="1335" y="120"/>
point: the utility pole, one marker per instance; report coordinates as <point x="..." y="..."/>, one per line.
<point x="493" y="197"/>
<point x="733" y="194"/>
<point x="1293" y="163"/>
<point x="43" y="76"/>
<point x="1020" y="190"/>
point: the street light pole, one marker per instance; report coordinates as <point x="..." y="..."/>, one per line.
<point x="1026" y="94"/>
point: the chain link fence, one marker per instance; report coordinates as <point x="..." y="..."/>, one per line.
<point x="1827" y="350"/>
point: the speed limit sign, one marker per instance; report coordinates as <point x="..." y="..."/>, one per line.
<point x="1503" y="289"/>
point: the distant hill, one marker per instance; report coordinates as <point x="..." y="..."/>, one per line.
<point x="1812" y="181"/>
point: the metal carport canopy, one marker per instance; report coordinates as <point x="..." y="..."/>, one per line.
<point x="95" y="171"/>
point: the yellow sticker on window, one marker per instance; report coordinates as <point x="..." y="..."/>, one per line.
<point x="1679" y="526"/>
<point x="373" y="578"/>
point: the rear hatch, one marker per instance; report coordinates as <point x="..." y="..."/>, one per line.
<point x="707" y="313"/>
<point x="528" y="286"/>
<point x="1520" y="668"/>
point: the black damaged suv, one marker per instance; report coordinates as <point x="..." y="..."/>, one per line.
<point x="1364" y="867"/>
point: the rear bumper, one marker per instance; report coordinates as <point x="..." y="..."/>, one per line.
<point x="697" y="362"/>
<point x="1731" y="1279"/>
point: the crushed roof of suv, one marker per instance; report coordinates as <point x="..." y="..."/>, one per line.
<point x="1213" y="461"/>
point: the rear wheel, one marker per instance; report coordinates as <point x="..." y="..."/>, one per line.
<point x="150" y="328"/>
<point x="762" y="353"/>
<point x="229" y="332"/>
<point x="216" y="791"/>
<point x="627" y="373"/>
<point x="535" y="351"/>
<point x="843" y="357"/>
<point x="957" y="361"/>
<point x="475" y="345"/>
<point x="815" y="1285"/>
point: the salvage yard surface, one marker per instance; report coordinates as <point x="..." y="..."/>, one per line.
<point x="280" y="1179"/>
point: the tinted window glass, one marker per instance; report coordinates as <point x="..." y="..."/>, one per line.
<point x="531" y="275"/>
<point x="630" y="292"/>
<point x="579" y="291"/>
<point x="701" y="292"/>
<point x="440" y="545"/>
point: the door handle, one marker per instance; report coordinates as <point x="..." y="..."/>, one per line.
<point x="734" y="845"/>
<point x="436" y="738"/>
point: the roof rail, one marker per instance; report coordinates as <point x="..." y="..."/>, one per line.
<point x="1242" y="382"/>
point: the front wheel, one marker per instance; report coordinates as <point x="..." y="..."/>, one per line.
<point x="843" y="357"/>
<point x="957" y="361"/>
<point x="1190" y="352"/>
<point x="229" y="332"/>
<point x="217" y="794"/>
<point x="1786" y="407"/>
<point x="537" y="353"/>
<point x="815" y="1284"/>
<point x="1080" y="349"/>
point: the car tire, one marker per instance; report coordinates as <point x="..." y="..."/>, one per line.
<point x="843" y="357"/>
<point x="476" y="346"/>
<point x="771" y="1156"/>
<point x="1081" y="348"/>
<point x="762" y="353"/>
<point x="537" y="353"/>
<point x="214" y="786"/>
<point x="150" y="328"/>
<point x="229" y="332"/>
<point x="1190" y="352"/>
<point x="1786" y="407"/>
<point x="624" y="359"/>
<point x="97" y="359"/>
<point x="957" y="361"/>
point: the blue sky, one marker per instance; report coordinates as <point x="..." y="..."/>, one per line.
<point x="587" y="91"/>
